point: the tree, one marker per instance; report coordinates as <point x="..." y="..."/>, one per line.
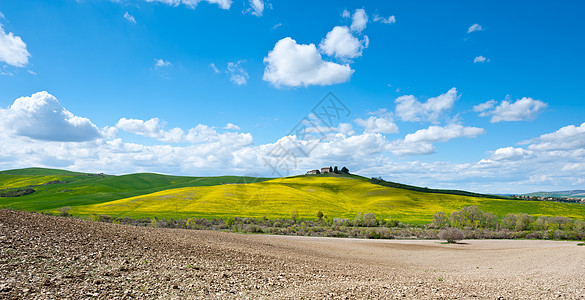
<point x="344" y="170"/>
<point x="330" y="169"/>
<point x="451" y="235"/>
<point x="335" y="170"/>
<point x="320" y="215"/>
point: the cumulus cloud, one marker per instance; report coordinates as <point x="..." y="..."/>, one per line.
<point x="359" y="20"/>
<point x="520" y="110"/>
<point x="480" y="59"/>
<point x="224" y="4"/>
<point x="408" y="108"/>
<point x="474" y="27"/>
<point x="382" y="124"/>
<point x="570" y="137"/>
<point x="41" y="117"/>
<point x="130" y="18"/>
<point x="151" y="128"/>
<point x="236" y="73"/>
<point x="442" y="134"/>
<point x="12" y="49"/>
<point x="340" y="43"/>
<point x="509" y="153"/>
<point x="292" y="64"/>
<point x="389" y="20"/>
<point x="484" y="106"/>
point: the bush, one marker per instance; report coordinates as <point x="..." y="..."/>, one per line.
<point x="451" y="235"/>
<point x="252" y="228"/>
<point x="64" y="211"/>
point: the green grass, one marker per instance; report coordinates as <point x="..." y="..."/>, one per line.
<point x="89" y="189"/>
<point x="163" y="196"/>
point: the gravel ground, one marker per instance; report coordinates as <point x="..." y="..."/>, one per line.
<point x="48" y="257"/>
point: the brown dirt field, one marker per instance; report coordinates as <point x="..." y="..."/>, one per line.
<point x="44" y="257"/>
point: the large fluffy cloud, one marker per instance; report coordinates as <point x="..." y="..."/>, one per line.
<point x="340" y="43"/>
<point x="12" y="49"/>
<point x="41" y="117"/>
<point x="292" y="64"/>
<point x="520" y="110"/>
<point x="408" y="108"/>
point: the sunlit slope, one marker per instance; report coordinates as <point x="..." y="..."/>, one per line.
<point x="306" y="195"/>
<point x="86" y="189"/>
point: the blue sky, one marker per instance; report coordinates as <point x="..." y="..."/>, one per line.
<point x="486" y="97"/>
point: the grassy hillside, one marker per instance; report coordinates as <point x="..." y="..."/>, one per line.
<point x="305" y="195"/>
<point x="85" y="189"/>
<point x="40" y="171"/>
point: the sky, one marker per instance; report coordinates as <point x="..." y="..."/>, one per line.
<point x="480" y="96"/>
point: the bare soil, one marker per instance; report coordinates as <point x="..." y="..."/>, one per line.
<point x="45" y="257"/>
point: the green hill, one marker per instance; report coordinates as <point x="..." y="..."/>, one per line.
<point x="84" y="189"/>
<point x="341" y="196"/>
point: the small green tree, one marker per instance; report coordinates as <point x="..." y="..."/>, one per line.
<point x="330" y="169"/>
<point x="320" y="215"/>
<point x="344" y="170"/>
<point x="335" y="170"/>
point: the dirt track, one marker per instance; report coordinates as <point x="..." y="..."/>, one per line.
<point x="53" y="257"/>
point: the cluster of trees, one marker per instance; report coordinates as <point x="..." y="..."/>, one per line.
<point x="467" y="223"/>
<point x="336" y="170"/>
<point x="472" y="219"/>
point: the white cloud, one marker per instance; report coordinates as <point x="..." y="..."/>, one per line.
<point x="570" y="137"/>
<point x="225" y="4"/>
<point x="340" y="43"/>
<point x="161" y="63"/>
<point x="236" y="73"/>
<point x="474" y="27"/>
<point x="214" y="68"/>
<point x="230" y="126"/>
<point x="509" y="153"/>
<point x="12" y="49"/>
<point x="521" y="110"/>
<point x="508" y="169"/>
<point x="151" y="128"/>
<point x="442" y="134"/>
<point x="41" y="117"/>
<point x="276" y="25"/>
<point x="408" y="108"/>
<point x="292" y="64"/>
<point x="484" y="106"/>
<point x="345" y="14"/>
<point x="359" y="20"/>
<point x="257" y="7"/>
<point x="480" y="59"/>
<point x="389" y="20"/>
<point x="383" y="124"/>
<point x="130" y="18"/>
<point x="402" y="148"/>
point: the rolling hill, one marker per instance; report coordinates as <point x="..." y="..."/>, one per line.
<point x="341" y="196"/>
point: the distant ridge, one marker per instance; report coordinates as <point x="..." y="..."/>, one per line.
<point x="40" y="171"/>
<point x="559" y="194"/>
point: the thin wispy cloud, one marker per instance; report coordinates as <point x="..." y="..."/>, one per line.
<point x="130" y="18"/>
